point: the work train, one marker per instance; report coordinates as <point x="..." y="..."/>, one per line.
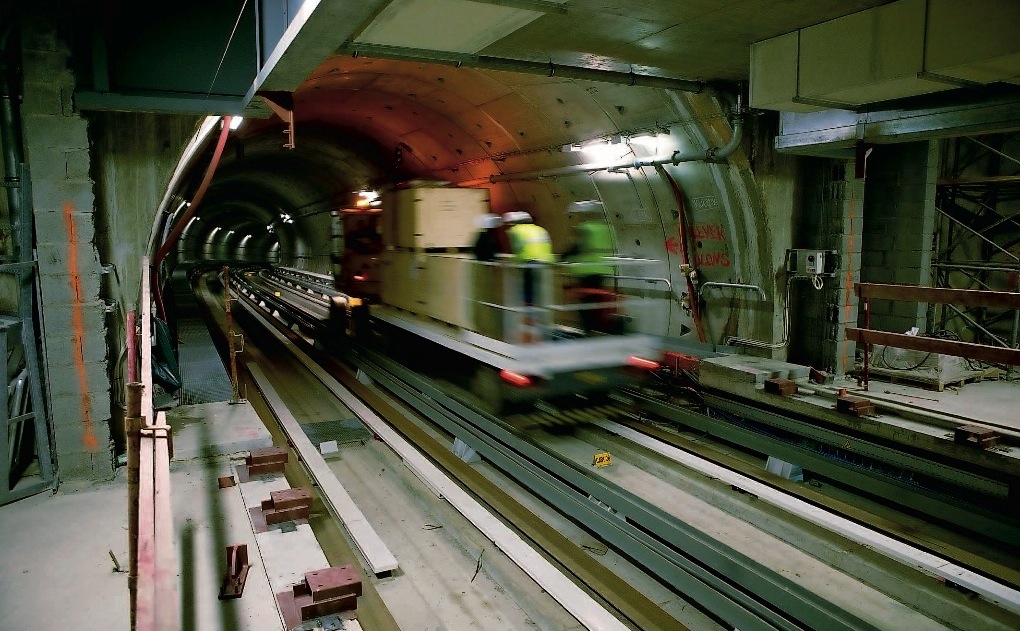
<point x="407" y="275"/>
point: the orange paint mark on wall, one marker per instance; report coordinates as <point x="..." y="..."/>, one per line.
<point x="78" y="325"/>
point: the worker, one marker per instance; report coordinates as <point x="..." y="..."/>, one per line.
<point x="531" y="247"/>
<point x="592" y="246"/>
<point x="488" y="241"/>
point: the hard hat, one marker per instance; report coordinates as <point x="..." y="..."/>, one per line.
<point x="489" y="220"/>
<point x="517" y="217"/>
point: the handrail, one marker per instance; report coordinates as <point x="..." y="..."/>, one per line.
<point x="152" y="577"/>
<point x="932" y="295"/>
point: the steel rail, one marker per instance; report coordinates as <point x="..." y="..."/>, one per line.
<point x="731" y="585"/>
<point x="973" y="518"/>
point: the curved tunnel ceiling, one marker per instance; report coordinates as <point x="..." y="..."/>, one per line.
<point x="354" y="116"/>
<point x="364" y="123"/>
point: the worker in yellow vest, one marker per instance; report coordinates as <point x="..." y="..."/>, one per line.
<point x="530" y="246"/>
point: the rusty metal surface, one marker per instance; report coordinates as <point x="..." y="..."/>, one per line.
<point x="940" y="295"/>
<point x="981" y="352"/>
<point x="237" y="572"/>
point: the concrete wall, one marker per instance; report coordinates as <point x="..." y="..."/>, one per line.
<point x="779" y="181"/>
<point x="899" y="217"/>
<point x="74" y="318"/>
<point x="133" y="158"/>
<point x="832" y="219"/>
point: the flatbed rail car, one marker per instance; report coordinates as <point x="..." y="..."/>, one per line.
<point x="459" y="314"/>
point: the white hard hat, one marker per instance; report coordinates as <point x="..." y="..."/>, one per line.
<point x="489" y="220"/>
<point x="518" y="216"/>
<point x="584" y="206"/>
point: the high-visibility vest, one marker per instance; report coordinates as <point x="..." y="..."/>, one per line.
<point x="530" y="242"/>
<point x="594" y="244"/>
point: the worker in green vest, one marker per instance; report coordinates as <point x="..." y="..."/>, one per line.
<point x="592" y="247"/>
<point x="530" y="246"/>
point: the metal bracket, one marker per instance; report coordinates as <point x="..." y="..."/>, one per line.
<point x="237" y="572"/>
<point x="282" y="104"/>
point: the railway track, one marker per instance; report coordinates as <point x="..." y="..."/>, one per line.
<point x="655" y="539"/>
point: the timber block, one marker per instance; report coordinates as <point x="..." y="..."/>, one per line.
<point x="976" y="435"/>
<point x="287" y="505"/>
<point x="857" y="406"/>
<point x="327" y="591"/>
<point x="782" y="387"/>
<point x="266" y="460"/>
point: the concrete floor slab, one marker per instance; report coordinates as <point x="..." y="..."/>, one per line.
<point x="208" y="429"/>
<point x="56" y="571"/>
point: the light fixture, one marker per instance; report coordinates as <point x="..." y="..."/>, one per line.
<point x="367" y="198"/>
<point x="235" y="122"/>
<point x="603" y="151"/>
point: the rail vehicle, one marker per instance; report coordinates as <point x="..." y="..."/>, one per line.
<point x="407" y="278"/>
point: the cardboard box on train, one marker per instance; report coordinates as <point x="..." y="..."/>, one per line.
<point x="432" y="217"/>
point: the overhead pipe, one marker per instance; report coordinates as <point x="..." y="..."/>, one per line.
<point x="712" y="154"/>
<point x="10" y="132"/>
<point x="549" y="69"/>
<point x="181" y="223"/>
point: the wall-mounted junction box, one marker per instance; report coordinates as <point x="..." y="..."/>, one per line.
<point x="811" y="262"/>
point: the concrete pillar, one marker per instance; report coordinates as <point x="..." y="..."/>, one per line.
<point x="57" y="152"/>
<point x="899" y="204"/>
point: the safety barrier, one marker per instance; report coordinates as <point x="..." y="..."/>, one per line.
<point x="932" y="295"/>
<point x="152" y="576"/>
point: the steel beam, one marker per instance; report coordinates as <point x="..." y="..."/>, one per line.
<point x="697" y="570"/>
<point x="980" y="352"/>
<point x="872" y="482"/>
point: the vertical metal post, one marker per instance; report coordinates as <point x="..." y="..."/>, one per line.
<point x="234" y="394"/>
<point x="5" y="451"/>
<point x="133" y="422"/>
<point x="867" y="346"/>
<point x="132" y="358"/>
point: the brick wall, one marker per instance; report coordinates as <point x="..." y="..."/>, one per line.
<point x="831" y="219"/>
<point x="57" y="152"/>
<point x="899" y="220"/>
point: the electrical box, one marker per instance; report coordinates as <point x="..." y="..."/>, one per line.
<point x="811" y="262"/>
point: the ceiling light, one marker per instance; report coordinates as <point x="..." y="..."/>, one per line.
<point x="235" y="122"/>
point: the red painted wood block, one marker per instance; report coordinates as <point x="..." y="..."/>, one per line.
<point x="333" y="582"/>
<point x="858" y="406"/>
<point x="983" y="437"/>
<point x="782" y="387"/>
<point x="287" y="505"/>
<point x="327" y="591"/>
<point x="266" y="460"/>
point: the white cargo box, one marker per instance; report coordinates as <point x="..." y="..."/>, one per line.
<point x="433" y="217"/>
<point x="437" y="286"/>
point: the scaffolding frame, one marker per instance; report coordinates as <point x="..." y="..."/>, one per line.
<point x="29" y="403"/>
<point x="977" y="207"/>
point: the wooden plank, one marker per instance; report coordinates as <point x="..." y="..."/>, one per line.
<point x="1000" y="594"/>
<point x="940" y="295"/>
<point x="146" y="601"/>
<point x="980" y="352"/>
<point x="145" y="309"/>
<point x="368" y="541"/>
<point x="573" y="598"/>
<point x="167" y="601"/>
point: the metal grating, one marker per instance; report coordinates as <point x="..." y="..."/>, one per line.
<point x="204" y="379"/>
<point x="344" y="431"/>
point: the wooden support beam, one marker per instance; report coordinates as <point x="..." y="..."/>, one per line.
<point x="980" y="352"/>
<point x="939" y="295"/>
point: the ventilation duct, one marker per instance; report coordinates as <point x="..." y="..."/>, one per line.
<point x="903" y="49"/>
